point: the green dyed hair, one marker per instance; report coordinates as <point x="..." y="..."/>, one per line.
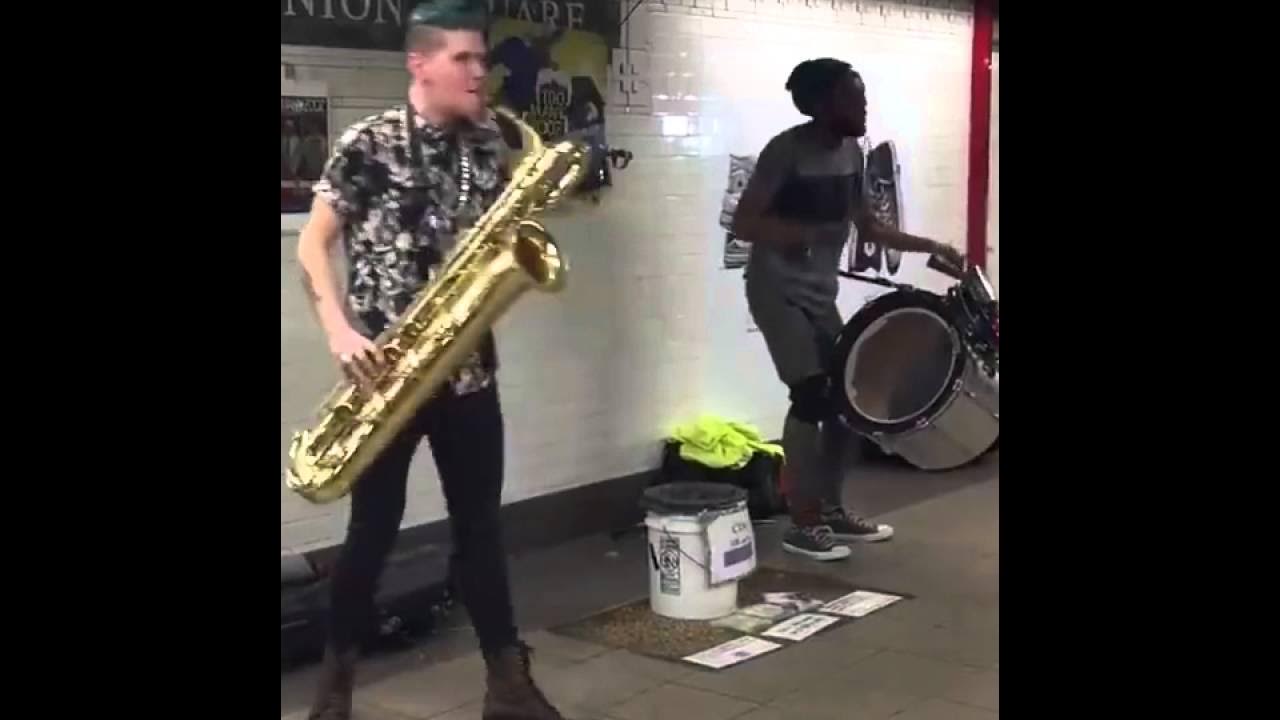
<point x="432" y="15"/>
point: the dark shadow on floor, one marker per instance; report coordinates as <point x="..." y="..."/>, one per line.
<point x="883" y="486"/>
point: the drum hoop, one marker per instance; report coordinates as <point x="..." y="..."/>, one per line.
<point x="957" y="347"/>
<point x="854" y="330"/>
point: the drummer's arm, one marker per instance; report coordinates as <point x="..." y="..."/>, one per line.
<point x="894" y="239"/>
<point x="754" y="220"/>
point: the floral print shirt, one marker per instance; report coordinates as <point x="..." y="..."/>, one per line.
<point x="402" y="210"/>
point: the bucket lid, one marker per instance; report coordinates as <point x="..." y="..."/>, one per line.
<point x="691" y="498"/>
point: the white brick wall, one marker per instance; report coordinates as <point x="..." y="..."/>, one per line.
<point x="651" y="331"/>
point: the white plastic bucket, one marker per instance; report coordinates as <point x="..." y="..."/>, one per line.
<point x="679" y="580"/>
<point x="679" y="567"/>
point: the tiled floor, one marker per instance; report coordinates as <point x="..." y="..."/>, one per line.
<point x="935" y="657"/>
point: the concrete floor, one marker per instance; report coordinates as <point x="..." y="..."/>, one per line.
<point x="935" y="657"/>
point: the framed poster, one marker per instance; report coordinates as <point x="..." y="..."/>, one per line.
<point x="304" y="148"/>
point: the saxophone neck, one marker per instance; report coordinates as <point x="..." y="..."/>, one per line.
<point x="543" y="176"/>
<point x="530" y="142"/>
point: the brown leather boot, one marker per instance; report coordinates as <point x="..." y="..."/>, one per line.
<point x="337" y="681"/>
<point x="511" y="693"/>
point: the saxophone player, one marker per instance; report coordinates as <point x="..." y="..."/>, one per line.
<point x="396" y="193"/>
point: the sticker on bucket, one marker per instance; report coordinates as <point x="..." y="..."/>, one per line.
<point x="738" y="555"/>
<point x="732" y="544"/>
<point x="669" y="565"/>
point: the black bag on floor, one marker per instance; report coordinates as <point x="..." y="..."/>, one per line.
<point x="416" y="592"/>
<point x="760" y="478"/>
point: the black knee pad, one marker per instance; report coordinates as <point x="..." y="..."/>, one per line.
<point x="811" y="399"/>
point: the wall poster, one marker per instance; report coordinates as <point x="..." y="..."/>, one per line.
<point x="883" y="179"/>
<point x="304" y="148"/>
<point x="736" y="250"/>
<point x="551" y="69"/>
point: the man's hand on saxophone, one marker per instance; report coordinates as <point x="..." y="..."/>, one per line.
<point x="357" y="356"/>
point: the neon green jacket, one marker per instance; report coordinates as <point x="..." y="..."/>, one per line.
<point x="717" y="443"/>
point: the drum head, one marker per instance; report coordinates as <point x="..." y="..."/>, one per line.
<point x="896" y="362"/>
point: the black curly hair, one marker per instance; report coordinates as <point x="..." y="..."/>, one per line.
<point x="812" y="81"/>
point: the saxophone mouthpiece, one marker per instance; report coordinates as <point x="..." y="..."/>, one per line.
<point x="530" y="143"/>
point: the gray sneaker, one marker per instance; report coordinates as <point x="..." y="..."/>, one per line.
<point x="851" y="528"/>
<point x="815" y="541"/>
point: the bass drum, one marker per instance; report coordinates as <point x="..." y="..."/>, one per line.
<point x="908" y="381"/>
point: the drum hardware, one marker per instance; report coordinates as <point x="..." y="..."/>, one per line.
<point x="945" y="266"/>
<point x="875" y="280"/>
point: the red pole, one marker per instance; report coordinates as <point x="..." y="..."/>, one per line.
<point x="979" y="133"/>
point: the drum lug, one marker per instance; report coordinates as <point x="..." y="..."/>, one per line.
<point x="880" y="440"/>
<point x="995" y="414"/>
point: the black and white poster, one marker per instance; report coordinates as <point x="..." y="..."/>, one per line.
<point x="883" y="187"/>
<point x="736" y="250"/>
<point x="304" y="148"/>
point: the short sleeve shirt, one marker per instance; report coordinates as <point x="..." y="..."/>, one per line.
<point x="403" y="209"/>
<point x="808" y="183"/>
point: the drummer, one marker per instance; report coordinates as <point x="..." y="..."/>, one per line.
<point x="806" y="190"/>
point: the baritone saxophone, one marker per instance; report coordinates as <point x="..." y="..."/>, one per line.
<point x="494" y="262"/>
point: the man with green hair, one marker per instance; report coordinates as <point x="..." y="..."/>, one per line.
<point x="397" y="192"/>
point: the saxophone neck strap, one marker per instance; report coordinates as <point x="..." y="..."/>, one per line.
<point x="415" y="143"/>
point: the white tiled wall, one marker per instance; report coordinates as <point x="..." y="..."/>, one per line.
<point x="651" y="331"/>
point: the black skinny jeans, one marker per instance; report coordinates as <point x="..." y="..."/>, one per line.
<point x="466" y="437"/>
